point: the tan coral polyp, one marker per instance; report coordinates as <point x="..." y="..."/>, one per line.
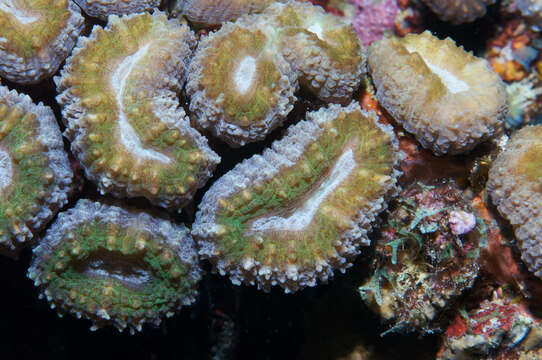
<point x="448" y="98"/>
<point x="515" y="186"/>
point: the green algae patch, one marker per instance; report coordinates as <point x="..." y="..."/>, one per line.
<point x="129" y="131"/>
<point x="116" y="267"/>
<point x="302" y="208"/>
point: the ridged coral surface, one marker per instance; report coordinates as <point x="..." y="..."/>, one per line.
<point x="303" y="208"/>
<point x="36" y="37"/>
<point x="239" y="85"/>
<point x="118" y="94"/>
<point x="116" y="267"/>
<point x="35" y="176"/>
<point x="459" y="11"/>
<point x="243" y="78"/>
<point x="515" y="186"/>
<point x="215" y="12"/>
<point x="449" y="99"/>
<point x="103" y="8"/>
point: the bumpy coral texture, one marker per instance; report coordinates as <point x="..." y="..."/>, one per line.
<point x="216" y="12"/>
<point x="37" y="36"/>
<point x="103" y="8"/>
<point x="459" y="11"/>
<point x="515" y="186"/>
<point x="239" y="85"/>
<point x="114" y="266"/>
<point x="304" y="207"/>
<point x="243" y="78"/>
<point x="324" y="49"/>
<point x="119" y="97"/>
<point x="449" y="99"/>
<point x="35" y="176"/>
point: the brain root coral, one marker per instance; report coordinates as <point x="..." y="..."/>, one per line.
<point x="119" y="97"/>
<point x="115" y="267"/>
<point x="303" y="208"/>
<point x="36" y="36"/>
<point x="515" y="186"/>
<point x="35" y="176"/>
<point x="103" y="8"/>
<point x="449" y="99"/>
<point x="242" y="80"/>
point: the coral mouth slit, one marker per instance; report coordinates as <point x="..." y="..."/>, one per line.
<point x="303" y="208"/>
<point x="6" y="170"/>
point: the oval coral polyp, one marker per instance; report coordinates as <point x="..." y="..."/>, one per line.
<point x="116" y="267"/>
<point x="36" y="37"/>
<point x="449" y="99"/>
<point x="303" y="208"/>
<point x="515" y="186"/>
<point x="35" y="176"/>
<point x="119" y="97"/>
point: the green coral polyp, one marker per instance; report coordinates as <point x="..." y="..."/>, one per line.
<point x="302" y="208"/>
<point x="128" y="130"/>
<point x="116" y="267"/>
<point x="36" y="176"/>
<point x="38" y="35"/>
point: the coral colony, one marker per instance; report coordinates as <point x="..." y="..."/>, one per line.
<point x="152" y="90"/>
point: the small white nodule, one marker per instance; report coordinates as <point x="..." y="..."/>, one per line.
<point x="245" y="74"/>
<point x="6" y="171"/>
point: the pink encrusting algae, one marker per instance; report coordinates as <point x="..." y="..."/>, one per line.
<point x="373" y="18"/>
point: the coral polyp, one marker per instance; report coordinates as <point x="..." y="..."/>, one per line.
<point x="35" y="176"/>
<point x="36" y="37"/>
<point x="114" y="266"/>
<point x="240" y="87"/>
<point x="303" y="208"/>
<point x="515" y="186"/>
<point x="323" y="48"/>
<point x="215" y="12"/>
<point x="449" y="99"/>
<point x="243" y="78"/>
<point x="103" y="8"/>
<point x="427" y="254"/>
<point x="459" y="11"/>
<point x="119" y="96"/>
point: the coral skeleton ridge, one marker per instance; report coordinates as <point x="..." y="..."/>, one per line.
<point x="243" y="78"/>
<point x="515" y="186"/>
<point x="119" y="97"/>
<point x="35" y="176"/>
<point x="303" y="208"/>
<point x="449" y="99"/>
<point x="36" y="36"/>
<point x="103" y="8"/>
<point x="114" y="266"/>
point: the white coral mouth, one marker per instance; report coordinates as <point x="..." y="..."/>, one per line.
<point x="303" y="216"/>
<point x="128" y="136"/>
<point x="5" y="170"/>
